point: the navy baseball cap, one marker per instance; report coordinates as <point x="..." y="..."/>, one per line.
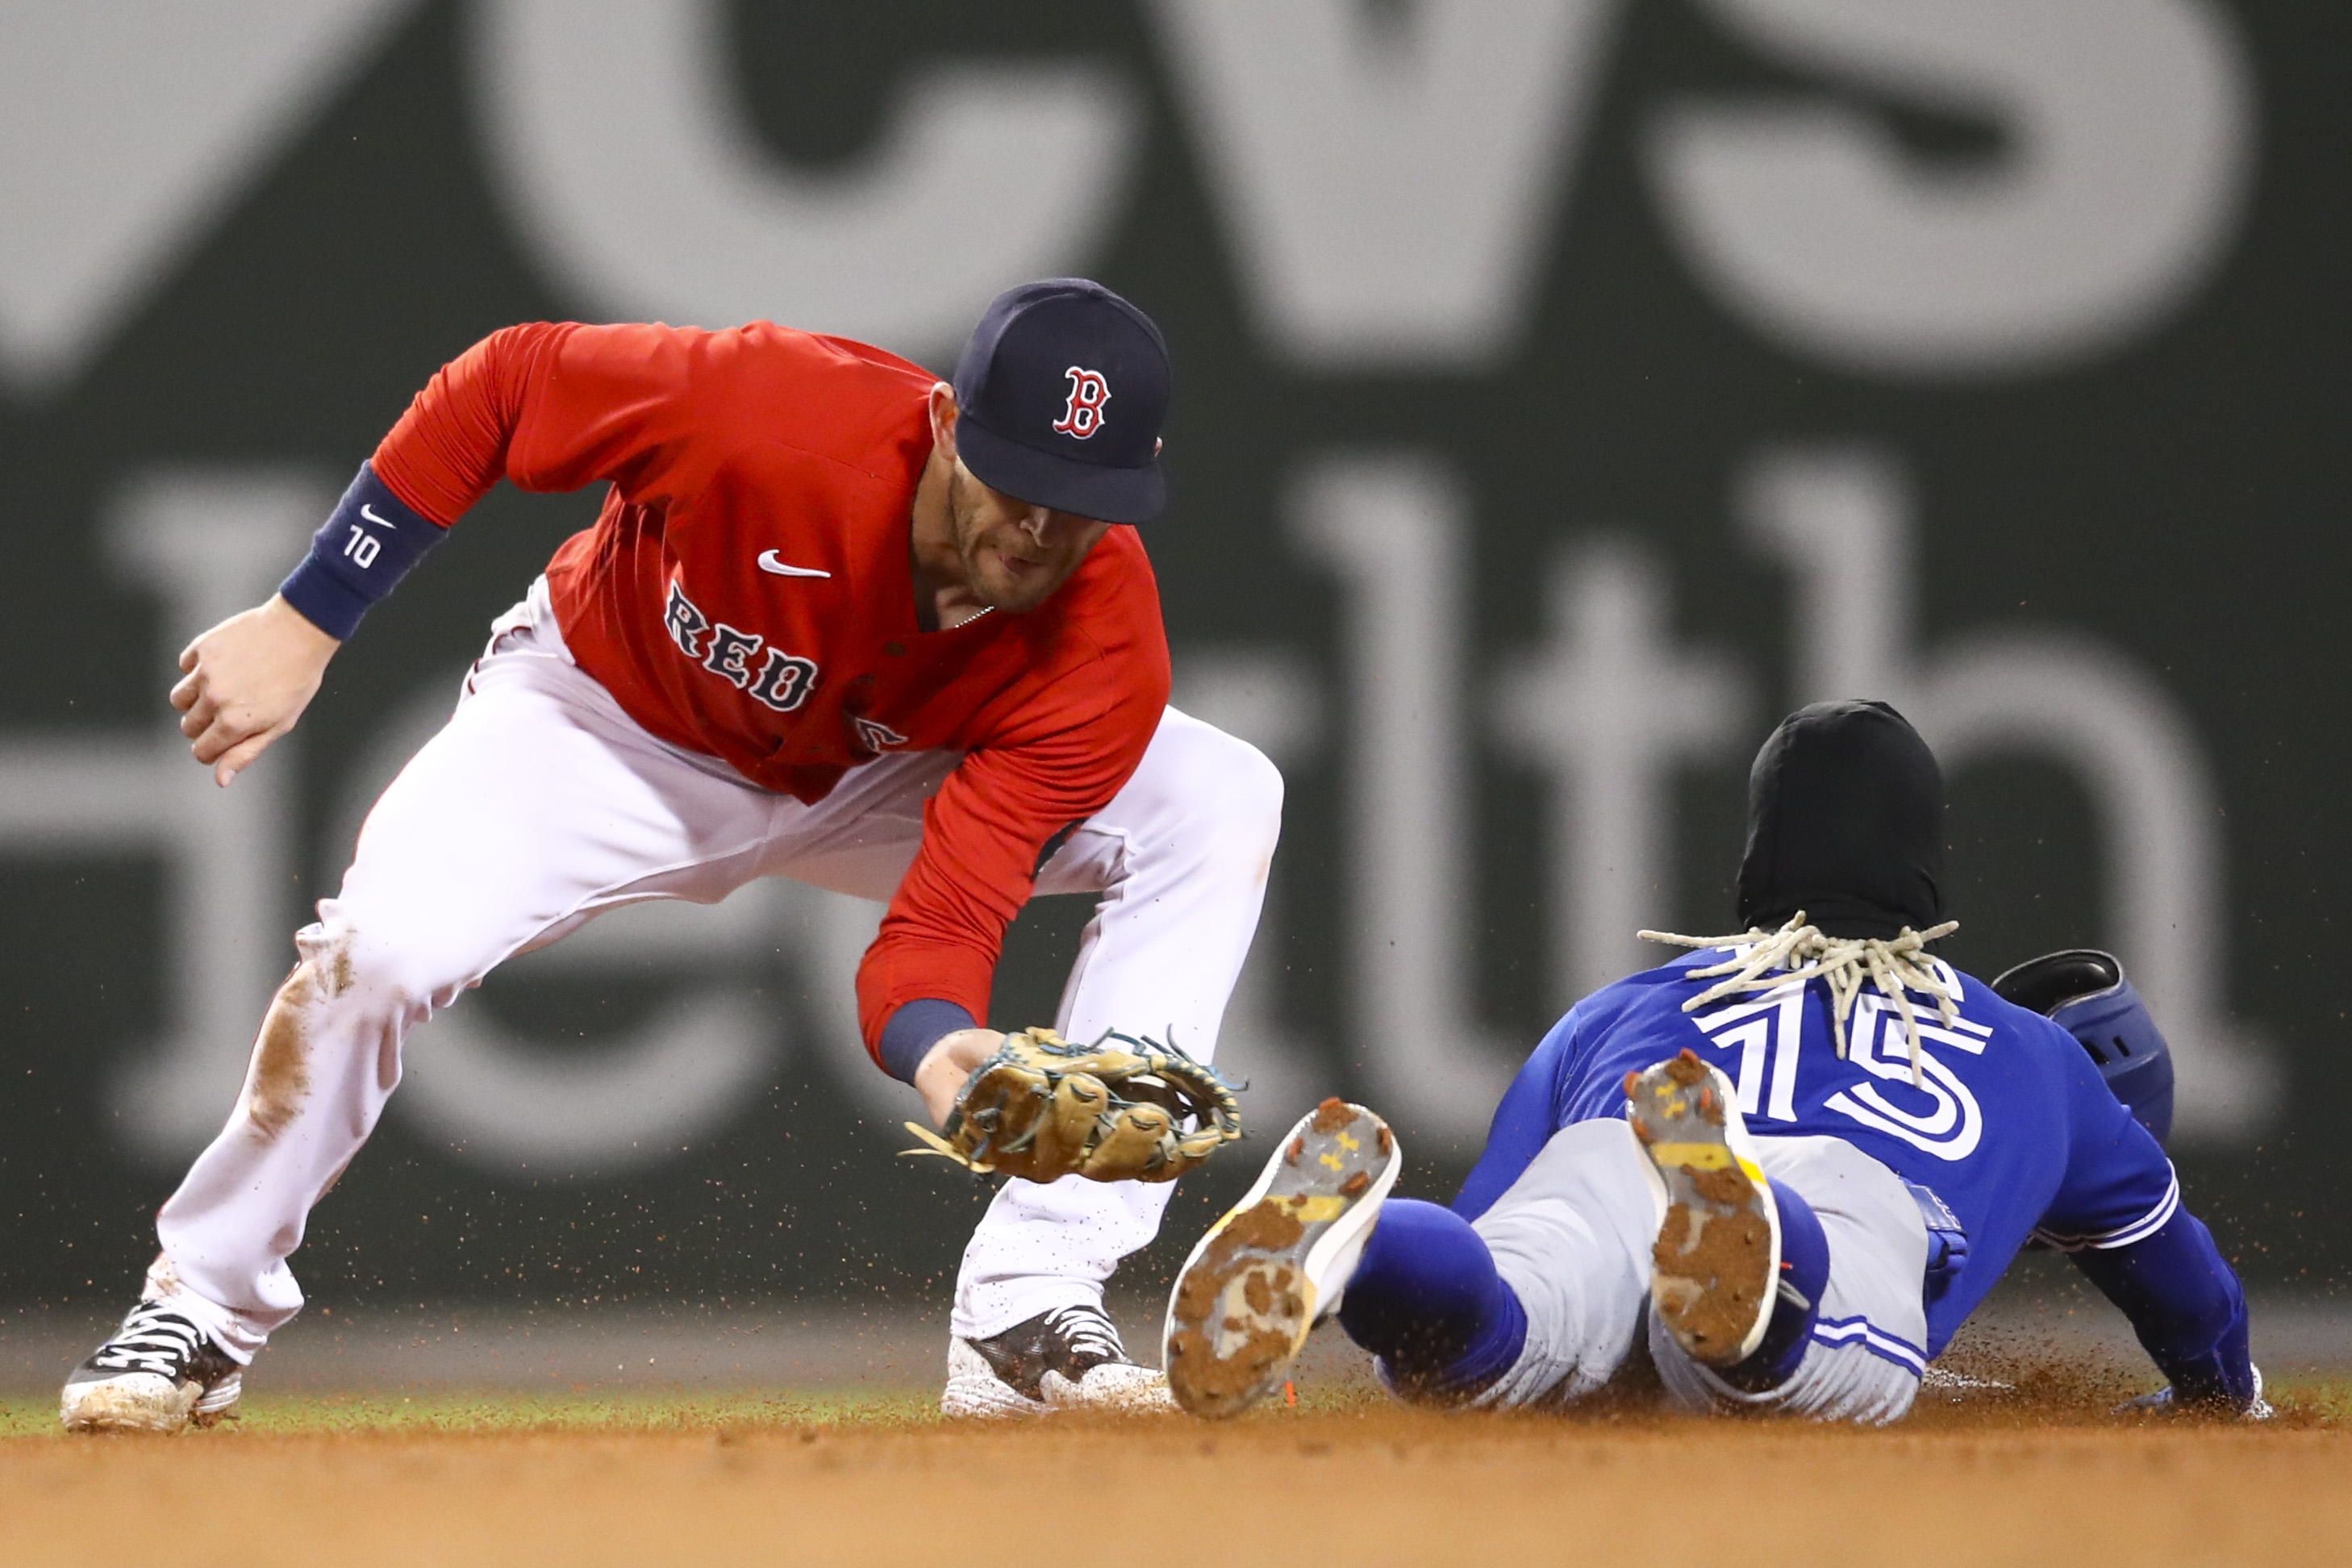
<point x="1060" y="395"/>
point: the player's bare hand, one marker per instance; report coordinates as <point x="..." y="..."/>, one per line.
<point x="247" y="681"/>
<point x="946" y="1065"/>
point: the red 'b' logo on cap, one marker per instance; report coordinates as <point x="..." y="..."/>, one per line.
<point x="1088" y="393"/>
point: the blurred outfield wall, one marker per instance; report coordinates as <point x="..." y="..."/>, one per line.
<point x="1567" y="389"/>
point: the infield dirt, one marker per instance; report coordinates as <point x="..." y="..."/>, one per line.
<point x="1991" y="1480"/>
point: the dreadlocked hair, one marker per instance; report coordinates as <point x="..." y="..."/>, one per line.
<point x="1891" y="964"/>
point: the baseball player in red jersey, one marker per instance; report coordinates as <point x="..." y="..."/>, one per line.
<point x="837" y="621"/>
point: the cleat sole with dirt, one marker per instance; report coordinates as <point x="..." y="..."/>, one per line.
<point x="1717" y="1257"/>
<point x="1278" y="1261"/>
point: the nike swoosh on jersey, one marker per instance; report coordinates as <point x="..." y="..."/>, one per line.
<point x="767" y="562"/>
<point x="368" y="512"/>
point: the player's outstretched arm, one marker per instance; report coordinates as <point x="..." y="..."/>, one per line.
<point x="2187" y="1307"/>
<point x="2119" y="1213"/>
<point x="247" y="681"/>
<point x="250" y="678"/>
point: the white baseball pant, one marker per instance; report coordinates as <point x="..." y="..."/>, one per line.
<point x="542" y="804"/>
<point x="1572" y="1238"/>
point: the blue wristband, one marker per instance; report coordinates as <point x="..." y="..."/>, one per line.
<point x="366" y="547"/>
<point x="913" y="1030"/>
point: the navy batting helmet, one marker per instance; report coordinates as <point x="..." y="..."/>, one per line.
<point x="2083" y="991"/>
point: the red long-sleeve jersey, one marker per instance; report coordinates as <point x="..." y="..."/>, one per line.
<point x="721" y="446"/>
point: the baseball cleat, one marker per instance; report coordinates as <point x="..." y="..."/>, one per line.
<point x="1070" y="1359"/>
<point x="160" y="1373"/>
<point x="1278" y="1261"/>
<point x="1717" y="1263"/>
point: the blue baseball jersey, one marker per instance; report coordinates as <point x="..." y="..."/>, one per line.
<point x="2008" y="1122"/>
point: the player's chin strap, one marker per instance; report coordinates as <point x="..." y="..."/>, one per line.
<point x="1889" y="962"/>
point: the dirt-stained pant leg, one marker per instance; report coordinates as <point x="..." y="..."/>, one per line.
<point x="1572" y="1237"/>
<point x="1180" y="858"/>
<point x="539" y="804"/>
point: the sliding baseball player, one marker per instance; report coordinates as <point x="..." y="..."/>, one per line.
<point x="1780" y="1172"/>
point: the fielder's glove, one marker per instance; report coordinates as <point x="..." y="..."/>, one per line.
<point x="1044" y="1109"/>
